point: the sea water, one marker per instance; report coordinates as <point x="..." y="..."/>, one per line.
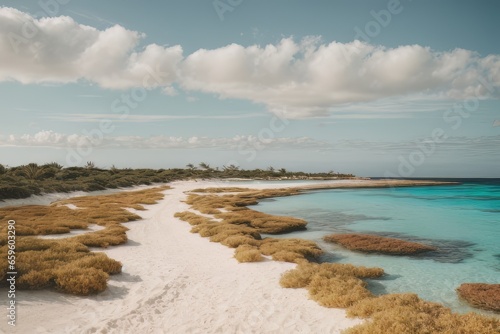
<point x="462" y="221"/>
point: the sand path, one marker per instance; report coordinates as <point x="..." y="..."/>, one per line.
<point x="177" y="282"/>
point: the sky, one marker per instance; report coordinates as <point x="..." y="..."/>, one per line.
<point x="374" y="88"/>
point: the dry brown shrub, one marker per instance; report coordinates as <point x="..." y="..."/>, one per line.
<point x="43" y="263"/>
<point x="237" y="240"/>
<point x="287" y="256"/>
<point x="81" y="281"/>
<point x="36" y="280"/>
<point x="407" y="313"/>
<point x="226" y="230"/>
<point x="238" y="213"/>
<point x="220" y="231"/>
<point x="481" y="295"/>
<point x="247" y="253"/>
<point x="302" y="275"/>
<point x="263" y="222"/>
<point x="193" y="218"/>
<point x="375" y="244"/>
<point x="35" y="244"/>
<point x="302" y="248"/>
<point x="99" y="261"/>
<point x="331" y="284"/>
<point x="337" y="291"/>
<point x="112" y="235"/>
<point x="45" y="229"/>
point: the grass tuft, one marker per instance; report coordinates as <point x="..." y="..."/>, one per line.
<point x="247" y="253"/>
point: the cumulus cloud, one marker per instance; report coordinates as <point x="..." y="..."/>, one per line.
<point x="311" y="79"/>
<point x="294" y="79"/>
<point x="58" y="49"/>
<point x="240" y="142"/>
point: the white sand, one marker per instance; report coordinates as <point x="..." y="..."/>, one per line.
<point x="177" y="282"/>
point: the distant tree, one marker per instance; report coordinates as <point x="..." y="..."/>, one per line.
<point x="231" y="168"/>
<point x="53" y="165"/>
<point x="3" y="169"/>
<point x="204" y="166"/>
<point x="32" y="171"/>
<point x="113" y="169"/>
<point x="90" y="165"/>
<point x="270" y="168"/>
<point x="282" y="170"/>
<point x="190" y="166"/>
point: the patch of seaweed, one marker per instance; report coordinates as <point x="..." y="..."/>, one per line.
<point x="481" y="295"/>
<point x="375" y="244"/>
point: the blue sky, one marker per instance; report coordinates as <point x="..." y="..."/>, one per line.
<point x="376" y="88"/>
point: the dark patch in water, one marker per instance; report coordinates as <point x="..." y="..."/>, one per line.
<point x="448" y="251"/>
<point x="376" y="288"/>
<point x="330" y="257"/>
<point x="330" y="220"/>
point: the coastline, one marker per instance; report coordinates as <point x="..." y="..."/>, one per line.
<point x="170" y="281"/>
<point x="179" y="282"/>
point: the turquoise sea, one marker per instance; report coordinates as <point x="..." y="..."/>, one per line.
<point x="463" y="221"/>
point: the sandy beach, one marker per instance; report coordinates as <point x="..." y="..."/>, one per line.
<point x="174" y="281"/>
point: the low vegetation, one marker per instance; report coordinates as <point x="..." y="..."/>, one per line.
<point x="236" y="226"/>
<point x="33" y="179"/>
<point x="247" y="253"/>
<point x="484" y="296"/>
<point x="331" y="284"/>
<point x="407" y="313"/>
<point x="375" y="244"/>
<point x="67" y="264"/>
<point x="233" y="209"/>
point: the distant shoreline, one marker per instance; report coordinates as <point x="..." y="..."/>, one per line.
<point x="356" y="182"/>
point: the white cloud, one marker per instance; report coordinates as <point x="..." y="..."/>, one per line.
<point x="240" y="142"/>
<point x="58" y="49"/>
<point x="295" y="79"/>
<point x="311" y="79"/>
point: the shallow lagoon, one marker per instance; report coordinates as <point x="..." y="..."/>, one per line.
<point x="462" y="220"/>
